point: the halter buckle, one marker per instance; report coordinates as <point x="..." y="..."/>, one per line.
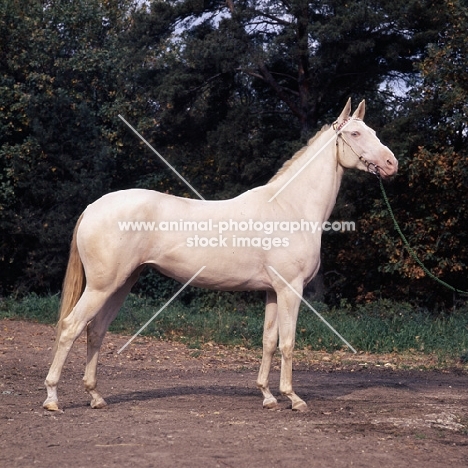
<point x="337" y="127"/>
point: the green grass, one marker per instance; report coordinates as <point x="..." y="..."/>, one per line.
<point x="31" y="307"/>
<point x="379" y="327"/>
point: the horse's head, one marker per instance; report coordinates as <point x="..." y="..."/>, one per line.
<point x="358" y="146"/>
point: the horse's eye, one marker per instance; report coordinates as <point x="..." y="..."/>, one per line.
<point x="354" y="134"/>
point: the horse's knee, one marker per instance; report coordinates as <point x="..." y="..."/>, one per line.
<point x="269" y="344"/>
<point x="287" y="349"/>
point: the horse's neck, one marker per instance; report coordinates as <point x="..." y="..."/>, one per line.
<point x="312" y="194"/>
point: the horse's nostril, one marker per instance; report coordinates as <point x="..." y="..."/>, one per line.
<point x="389" y="162"/>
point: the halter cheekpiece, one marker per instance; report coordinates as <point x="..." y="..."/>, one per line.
<point x="371" y="167"/>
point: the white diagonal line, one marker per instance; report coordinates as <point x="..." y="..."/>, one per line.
<point x="161" y="309"/>
<point x="307" y="163"/>
<point x="313" y="310"/>
<point x="181" y="177"/>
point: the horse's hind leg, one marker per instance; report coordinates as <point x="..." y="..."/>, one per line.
<point x="85" y="310"/>
<point x="96" y="329"/>
<point x="270" y="342"/>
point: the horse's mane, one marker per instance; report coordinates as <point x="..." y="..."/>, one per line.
<point x="298" y="154"/>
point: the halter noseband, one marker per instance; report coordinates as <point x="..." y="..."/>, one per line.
<point x="371" y="167"/>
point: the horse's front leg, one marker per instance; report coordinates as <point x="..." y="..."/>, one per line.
<point x="270" y="342"/>
<point x="288" y="309"/>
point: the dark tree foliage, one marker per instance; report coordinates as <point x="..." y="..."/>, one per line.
<point x="282" y="69"/>
<point x="227" y="91"/>
<point x="430" y="196"/>
<point x="60" y="67"/>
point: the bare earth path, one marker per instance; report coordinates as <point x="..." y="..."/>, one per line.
<point x="170" y="406"/>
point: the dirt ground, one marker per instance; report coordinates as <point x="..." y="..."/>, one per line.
<point x="171" y="406"/>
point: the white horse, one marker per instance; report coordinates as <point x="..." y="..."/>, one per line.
<point x="256" y="241"/>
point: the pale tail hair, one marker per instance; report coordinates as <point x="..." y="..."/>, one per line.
<point x="73" y="284"/>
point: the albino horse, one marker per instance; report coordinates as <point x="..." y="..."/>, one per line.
<point x="106" y="259"/>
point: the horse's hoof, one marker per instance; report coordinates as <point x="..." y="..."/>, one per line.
<point x="50" y="405"/>
<point x="300" y="406"/>
<point x="98" y="403"/>
<point x="270" y="403"/>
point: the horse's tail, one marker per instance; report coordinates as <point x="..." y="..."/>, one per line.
<point x="73" y="284"/>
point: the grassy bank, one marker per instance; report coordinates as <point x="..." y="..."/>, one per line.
<point x="379" y="327"/>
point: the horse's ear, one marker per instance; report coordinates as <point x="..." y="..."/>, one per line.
<point x="360" y="111"/>
<point x="345" y="112"/>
